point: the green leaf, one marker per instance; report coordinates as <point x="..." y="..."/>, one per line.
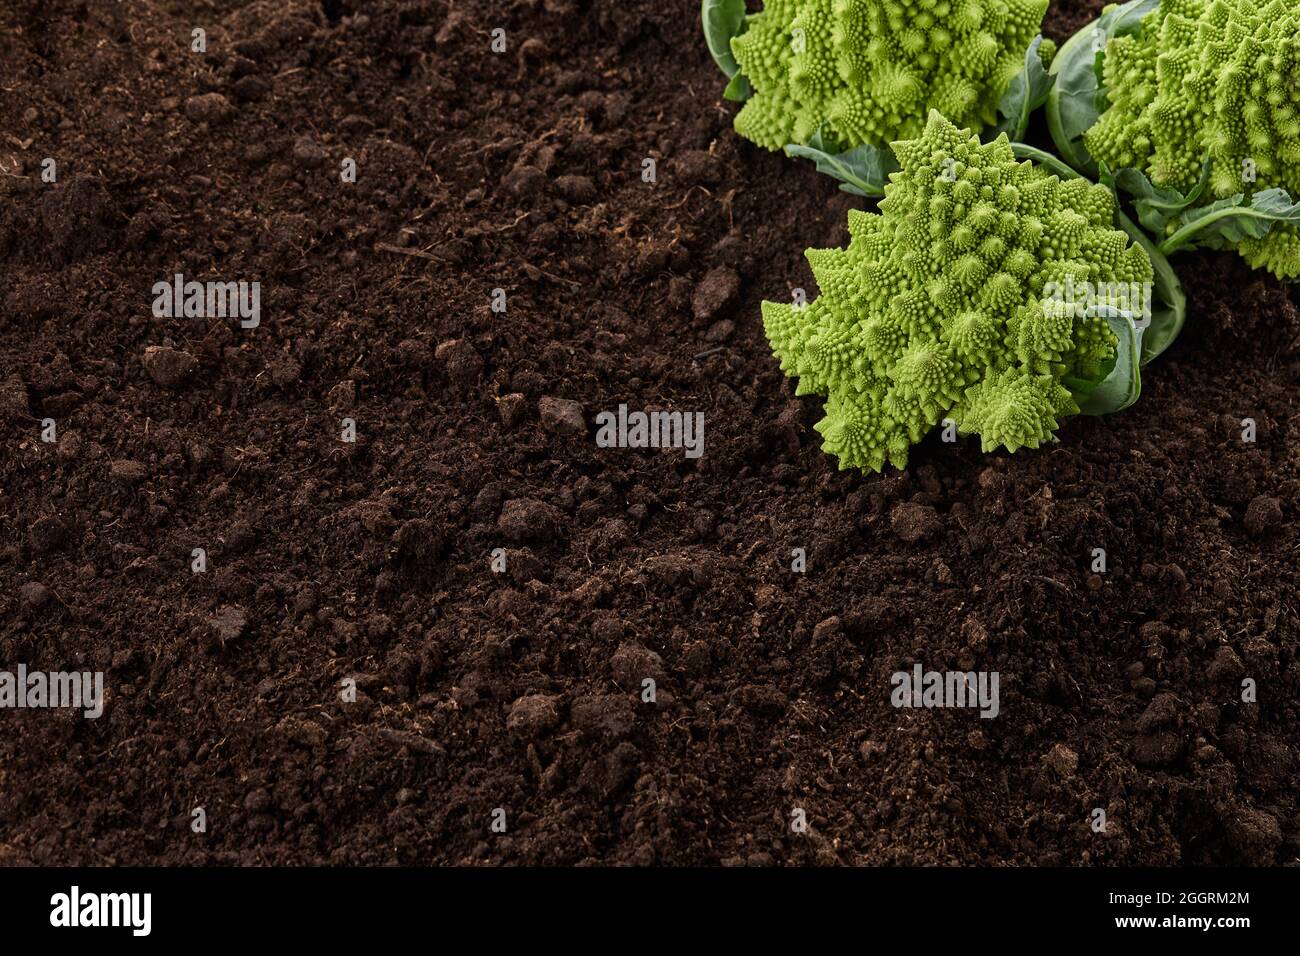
<point x="1127" y="18"/>
<point x="738" y="90"/>
<point x="1225" y="223"/>
<point x="723" y="19"/>
<point x="1072" y="101"/>
<point x="1120" y="20"/>
<point x="1119" y="385"/>
<point x="1076" y="100"/>
<point x="1027" y="91"/>
<point x="862" y="170"/>
<point x="1157" y="206"/>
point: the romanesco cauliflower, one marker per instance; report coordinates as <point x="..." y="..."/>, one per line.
<point x="864" y="71"/>
<point x="937" y="308"/>
<point x="1217" y="79"/>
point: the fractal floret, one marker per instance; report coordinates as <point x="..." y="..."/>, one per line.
<point x="865" y="71"/>
<point x="944" y="304"/>
<point x="1216" y="80"/>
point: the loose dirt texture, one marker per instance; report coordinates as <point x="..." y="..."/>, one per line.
<point x="371" y="561"/>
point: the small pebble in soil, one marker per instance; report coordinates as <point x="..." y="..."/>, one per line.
<point x="168" y="367"/>
<point x="1263" y="515"/>
<point x="511" y="408"/>
<point x="527" y="519"/>
<point x="714" y="293"/>
<point x="210" y="108"/>
<point x="308" y="153"/>
<point x="577" y="189"/>
<point x="463" y="363"/>
<point x="524" y="182"/>
<point x="631" y="664"/>
<point x="561" y="416"/>
<point x="720" y="331"/>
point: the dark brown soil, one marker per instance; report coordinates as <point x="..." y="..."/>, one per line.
<point x="477" y="690"/>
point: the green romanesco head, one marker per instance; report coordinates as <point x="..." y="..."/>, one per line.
<point x="946" y="304"/>
<point x="1217" y="79"/>
<point x="864" y="71"/>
